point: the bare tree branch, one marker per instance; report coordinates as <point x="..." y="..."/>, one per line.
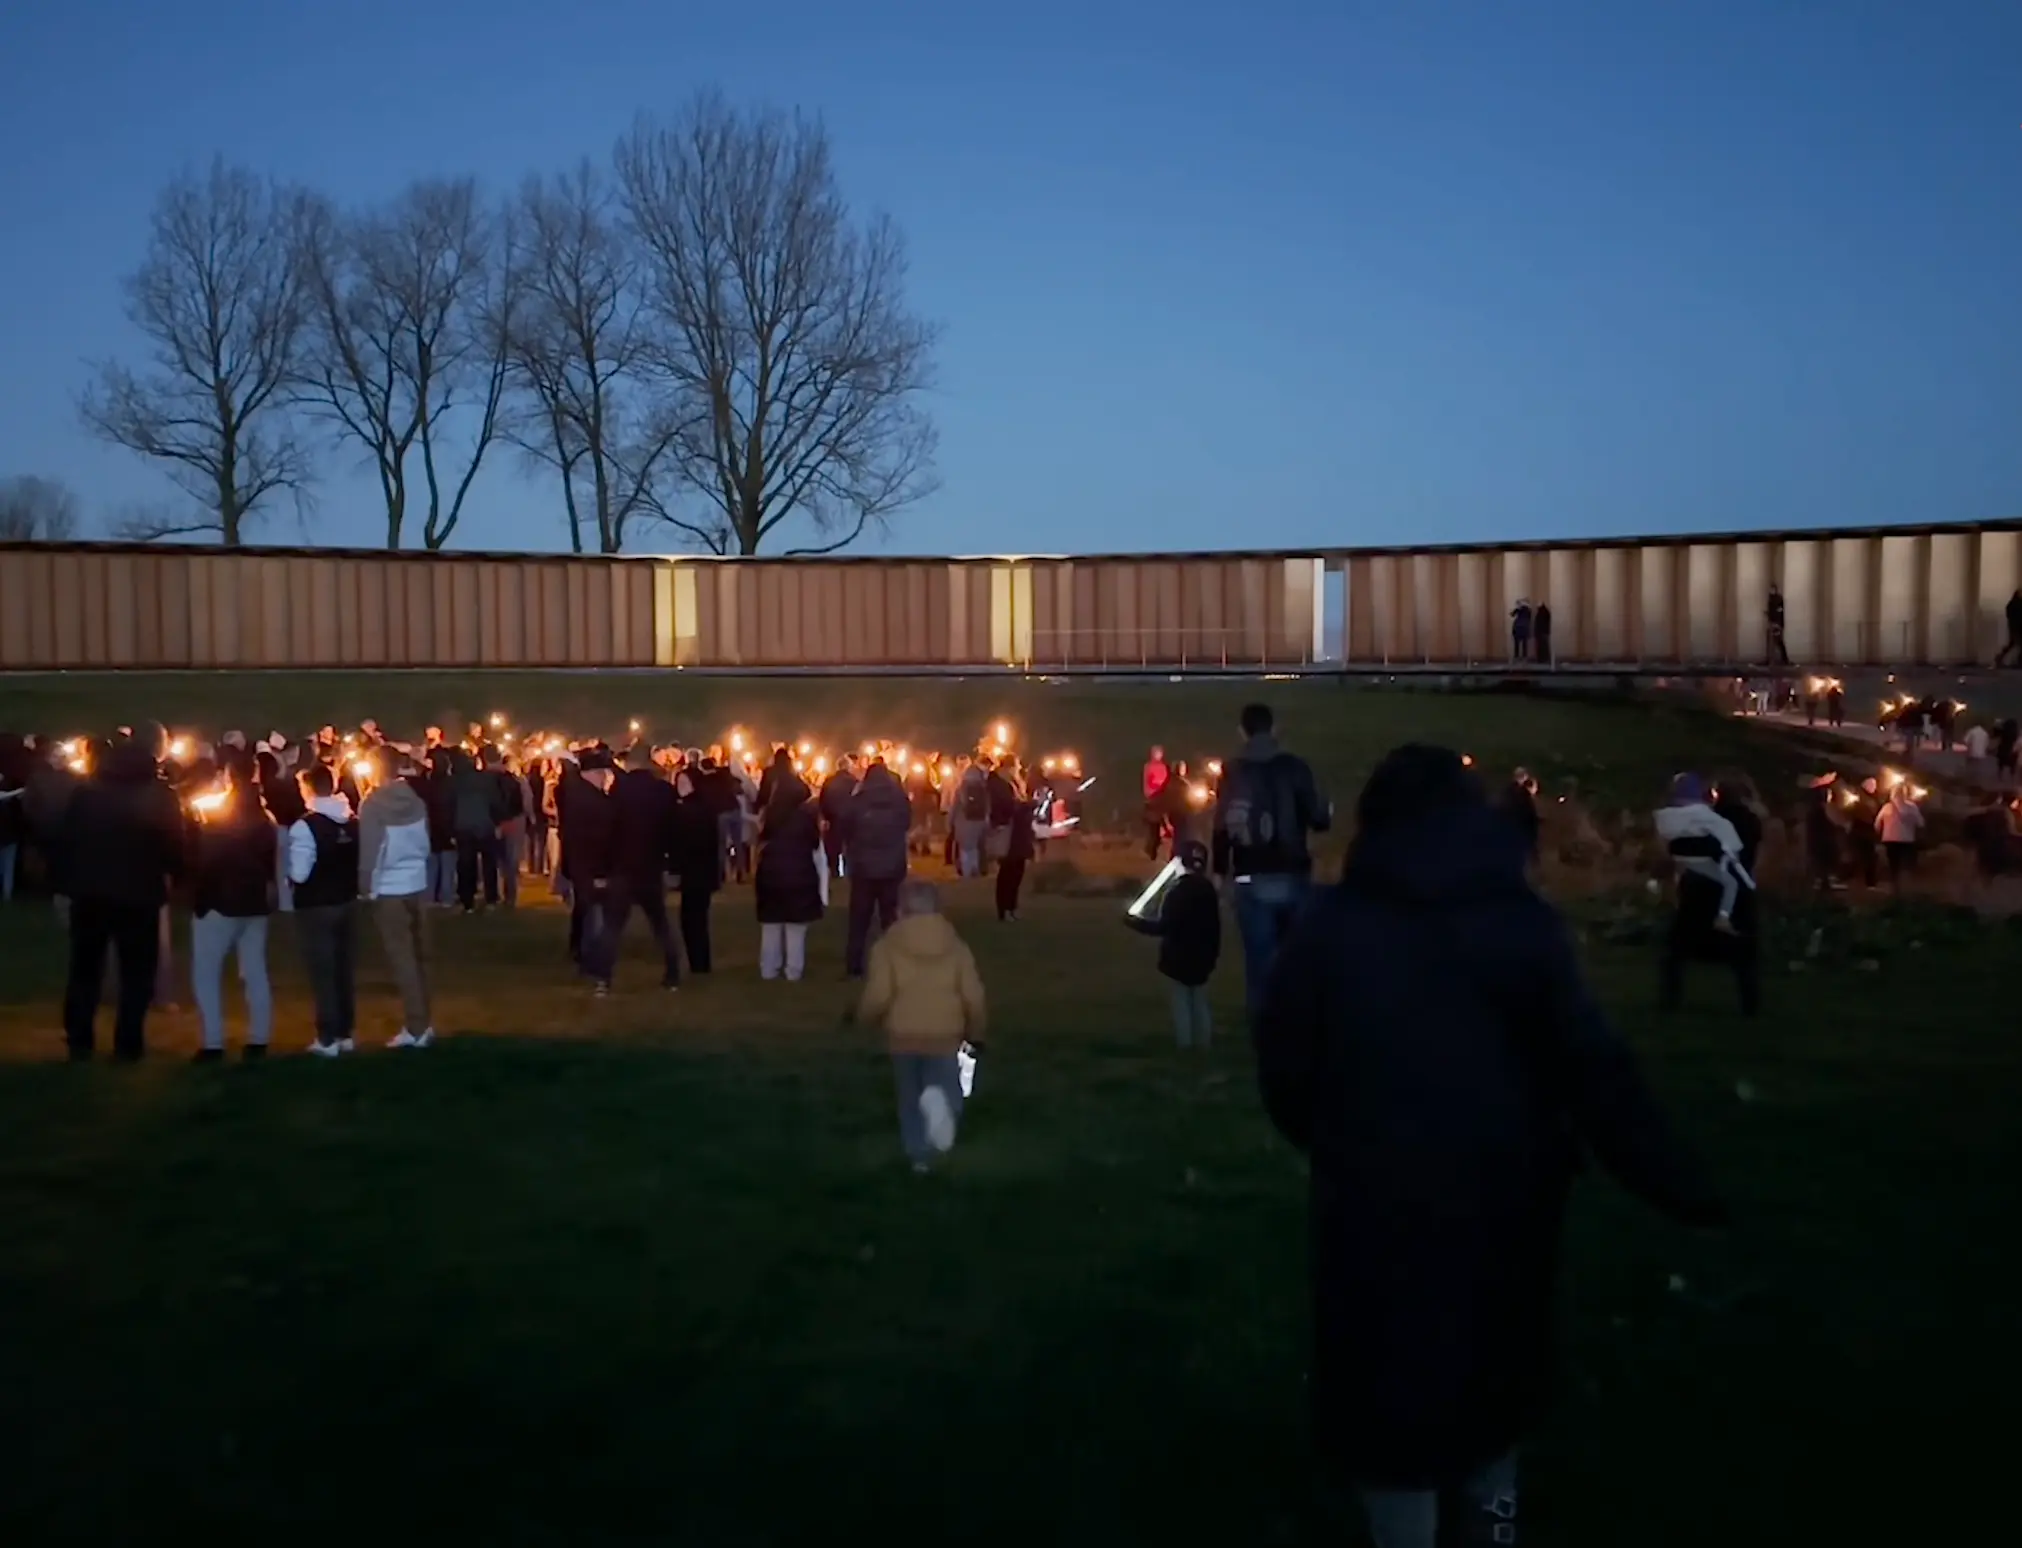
<point x="784" y="336"/>
<point x="219" y="299"/>
<point x="161" y="523"/>
<point x="580" y="347"/>
<point x="37" y="510"/>
<point x="409" y="307"/>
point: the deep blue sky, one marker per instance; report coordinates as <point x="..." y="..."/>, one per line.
<point x="1211" y="275"/>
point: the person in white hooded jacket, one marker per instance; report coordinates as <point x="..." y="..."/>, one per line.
<point x="1703" y="842"/>
<point x="393" y="855"/>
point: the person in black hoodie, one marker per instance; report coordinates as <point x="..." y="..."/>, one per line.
<point x="644" y="804"/>
<point x="232" y="867"/>
<point x="1189" y="930"/>
<point x="1426" y="1040"/>
<point x="695" y="854"/>
<point x="1019" y="848"/>
<point x="123" y="839"/>
<point x="874" y="824"/>
<point x="590" y="860"/>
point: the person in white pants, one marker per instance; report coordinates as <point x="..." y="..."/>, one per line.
<point x="791" y="878"/>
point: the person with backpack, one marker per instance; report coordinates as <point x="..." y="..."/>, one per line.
<point x="1268" y="805"/>
<point x="972" y="818"/>
<point x="323" y="867"/>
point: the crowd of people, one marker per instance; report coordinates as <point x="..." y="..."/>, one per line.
<point x="1421" y="1029"/>
<point x="318" y="826"/>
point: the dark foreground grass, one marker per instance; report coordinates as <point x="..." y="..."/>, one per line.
<point x="652" y="1271"/>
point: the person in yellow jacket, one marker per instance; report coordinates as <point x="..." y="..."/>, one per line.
<point x="922" y="988"/>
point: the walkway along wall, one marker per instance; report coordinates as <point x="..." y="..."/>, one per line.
<point x="1902" y="595"/>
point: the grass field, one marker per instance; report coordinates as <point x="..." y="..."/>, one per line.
<point x="651" y="1270"/>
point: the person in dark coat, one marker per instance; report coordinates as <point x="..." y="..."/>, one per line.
<point x="836" y="793"/>
<point x="590" y="861"/>
<point x="1821" y="833"/>
<point x="1692" y="936"/>
<point x="1541" y="632"/>
<point x="874" y="823"/>
<point x="1427" y="1041"/>
<point x="788" y="877"/>
<point x="695" y="856"/>
<point x="125" y="842"/>
<point x="1189" y="930"/>
<point x="1020" y="845"/>
<point x="645" y="809"/>
<point x="233" y="854"/>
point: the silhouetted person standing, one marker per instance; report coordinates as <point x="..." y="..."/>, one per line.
<point x="1773" y="615"/>
<point x="1541" y="631"/>
<point x="123" y="839"/>
<point x="2013" y="648"/>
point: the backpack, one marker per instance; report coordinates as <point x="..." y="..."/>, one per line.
<point x="1256" y="807"/>
<point x="976" y="801"/>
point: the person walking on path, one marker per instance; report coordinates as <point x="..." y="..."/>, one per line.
<point x="394" y="850"/>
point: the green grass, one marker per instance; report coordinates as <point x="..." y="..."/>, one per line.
<point x="651" y="1270"/>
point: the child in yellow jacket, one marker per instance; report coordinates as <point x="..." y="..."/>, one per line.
<point x="922" y="988"/>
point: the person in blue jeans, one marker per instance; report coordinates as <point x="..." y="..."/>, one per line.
<point x="1268" y="806"/>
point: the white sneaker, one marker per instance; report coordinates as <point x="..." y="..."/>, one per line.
<point x="347" y="1045"/>
<point x="407" y="1039"/>
<point x="326" y="1050"/>
<point x="940" y="1118"/>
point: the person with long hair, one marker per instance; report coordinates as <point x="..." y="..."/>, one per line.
<point x="1427" y="1040"/>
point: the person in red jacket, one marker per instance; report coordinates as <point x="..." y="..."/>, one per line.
<point x="1157" y="775"/>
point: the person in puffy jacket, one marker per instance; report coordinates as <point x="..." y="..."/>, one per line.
<point x="123" y="841"/>
<point x="875" y="824"/>
<point x="923" y="990"/>
<point x="1427" y="1041"/>
<point x="232" y="869"/>
<point x="790" y="878"/>
<point x="394" y="850"/>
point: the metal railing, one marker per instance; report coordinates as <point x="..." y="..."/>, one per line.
<point x="1147" y="649"/>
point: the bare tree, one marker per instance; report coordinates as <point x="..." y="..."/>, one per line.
<point x="37" y="510"/>
<point x="219" y="299"/>
<point x="409" y="313"/>
<point x="784" y="327"/>
<point x="581" y="346"/>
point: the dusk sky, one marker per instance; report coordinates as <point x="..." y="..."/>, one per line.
<point x="1210" y="276"/>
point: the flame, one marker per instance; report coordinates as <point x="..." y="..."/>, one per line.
<point x="1001" y="733"/>
<point x="1215" y="767"/>
<point x="634" y="727"/>
<point x="179" y="749"/>
<point x="210" y="801"/>
<point x="1197" y="793"/>
<point x="1467" y="760"/>
<point x="737" y="741"/>
<point x="806" y="748"/>
<point x="361" y="768"/>
<point x="497" y="720"/>
<point x="821" y="765"/>
<point x="1070" y="763"/>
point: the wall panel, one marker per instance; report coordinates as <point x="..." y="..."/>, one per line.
<point x="1903" y="595"/>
